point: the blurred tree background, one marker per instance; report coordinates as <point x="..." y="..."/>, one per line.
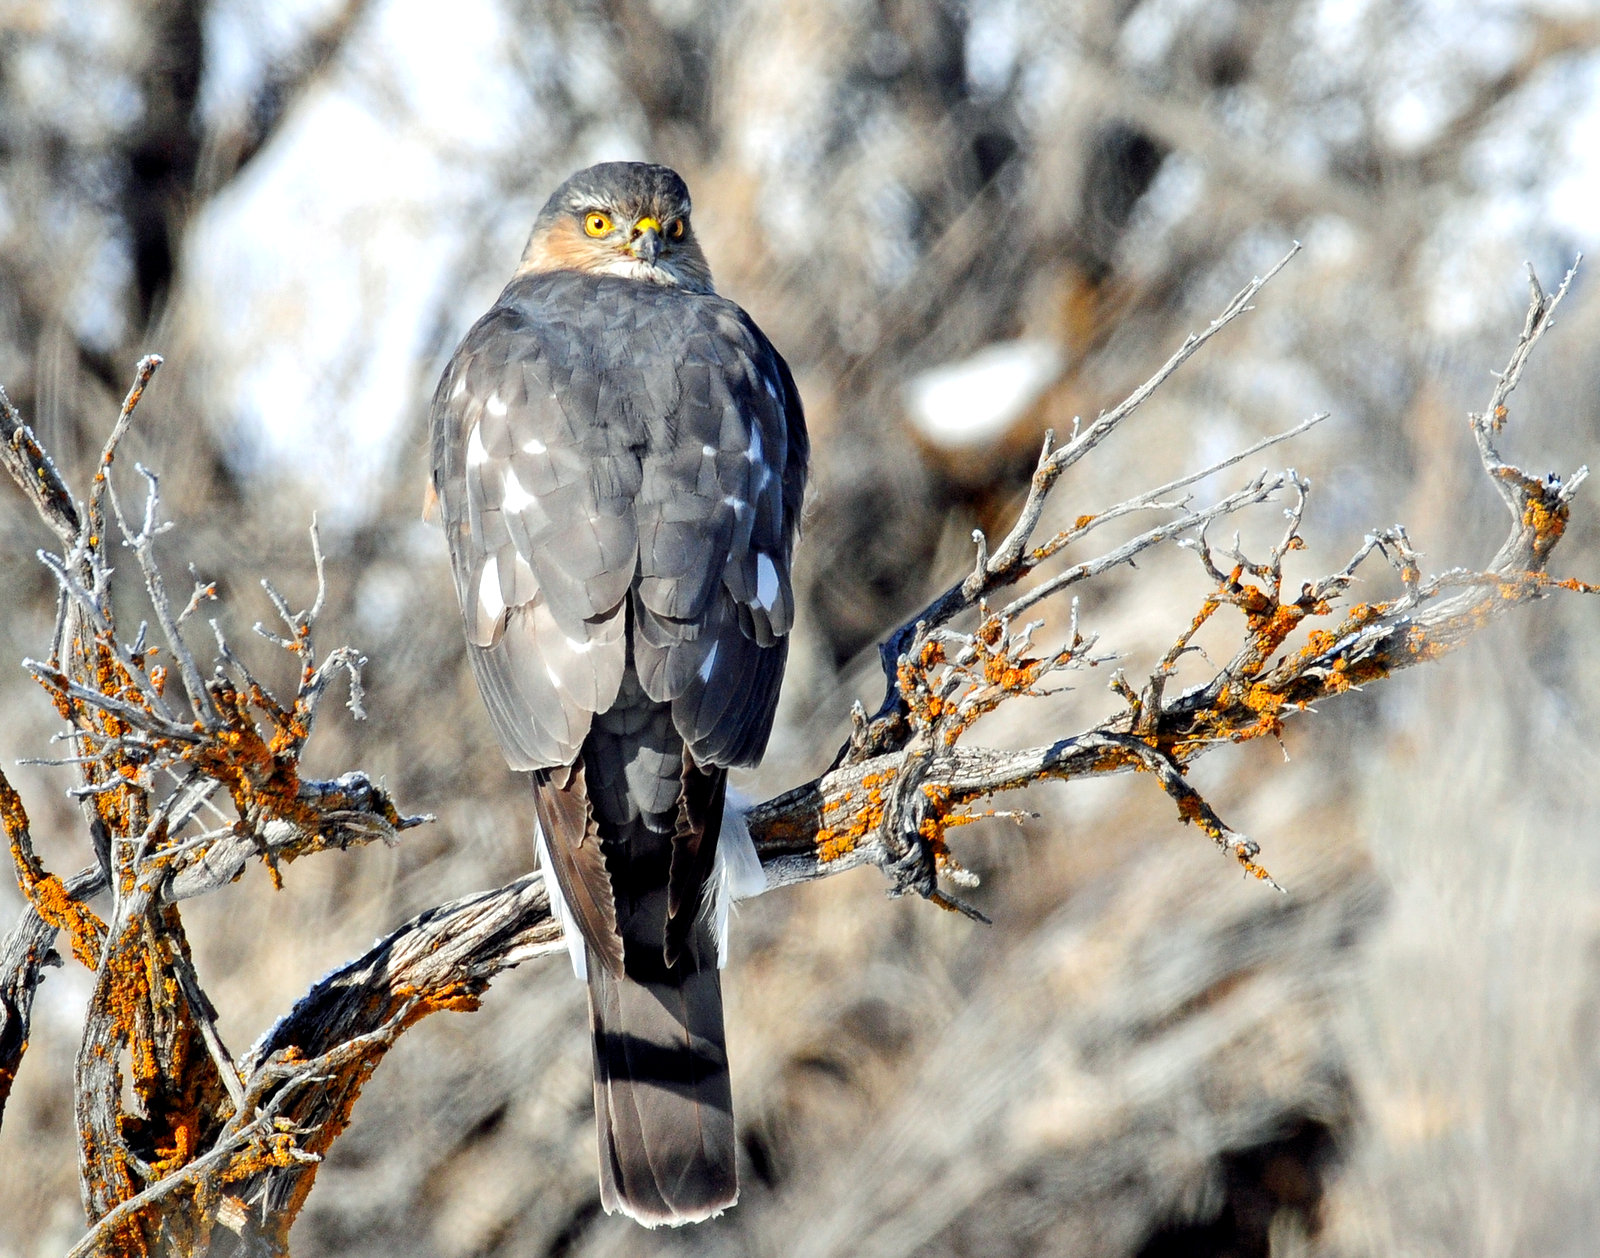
<point x="962" y="223"/>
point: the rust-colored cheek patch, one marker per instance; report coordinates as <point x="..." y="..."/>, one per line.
<point x="563" y="247"/>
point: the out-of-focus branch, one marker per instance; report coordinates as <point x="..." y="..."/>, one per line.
<point x="248" y="128"/>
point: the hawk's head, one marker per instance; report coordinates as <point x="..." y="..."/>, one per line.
<point x="620" y="218"/>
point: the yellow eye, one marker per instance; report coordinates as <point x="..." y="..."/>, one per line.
<point x="676" y="230"/>
<point x="596" y="223"/>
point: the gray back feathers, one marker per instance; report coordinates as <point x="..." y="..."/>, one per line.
<point x="608" y="451"/>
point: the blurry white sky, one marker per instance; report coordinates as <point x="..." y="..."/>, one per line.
<point x="330" y="256"/>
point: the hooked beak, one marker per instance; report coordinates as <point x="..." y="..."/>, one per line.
<point x="644" y="242"/>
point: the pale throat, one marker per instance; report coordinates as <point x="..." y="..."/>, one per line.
<point x="652" y="272"/>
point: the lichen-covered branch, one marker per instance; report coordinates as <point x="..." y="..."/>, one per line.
<point x="182" y="785"/>
<point x="26" y="952"/>
<point x="940" y="681"/>
<point x="160" y="749"/>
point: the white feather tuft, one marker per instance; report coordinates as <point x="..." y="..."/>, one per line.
<point x="737" y="874"/>
<point x="576" y="948"/>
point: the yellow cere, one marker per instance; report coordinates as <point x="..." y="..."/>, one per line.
<point x="647" y="224"/>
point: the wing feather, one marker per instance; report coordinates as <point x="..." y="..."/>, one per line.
<point x="578" y="863"/>
<point x="601" y="445"/>
<point x="541" y="563"/>
<point x="717" y="525"/>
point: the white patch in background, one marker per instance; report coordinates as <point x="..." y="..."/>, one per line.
<point x="1573" y="199"/>
<point x="334" y="253"/>
<point x="972" y="403"/>
<point x="243" y="38"/>
<point x="1144" y="39"/>
<point x="996" y="37"/>
<point x="1536" y="171"/>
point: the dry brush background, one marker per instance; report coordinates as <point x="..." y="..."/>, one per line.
<point x="302" y="207"/>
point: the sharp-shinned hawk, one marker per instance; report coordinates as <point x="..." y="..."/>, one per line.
<point x="620" y="458"/>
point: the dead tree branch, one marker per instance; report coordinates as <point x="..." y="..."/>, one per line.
<point x="217" y="1141"/>
<point x="148" y="755"/>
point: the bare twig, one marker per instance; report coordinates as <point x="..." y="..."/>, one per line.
<point x="1013" y="558"/>
<point x="146" y="369"/>
<point x="1053" y="463"/>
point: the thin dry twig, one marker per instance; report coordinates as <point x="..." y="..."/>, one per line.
<point x="1015" y="559"/>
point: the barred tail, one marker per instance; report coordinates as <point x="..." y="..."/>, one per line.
<point x="662" y="1100"/>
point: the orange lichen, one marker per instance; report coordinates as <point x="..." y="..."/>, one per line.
<point x="1318" y="641"/>
<point x="1207" y="610"/>
<point x="81" y="923"/>
<point x="933" y="817"/>
<point x="14" y="817"/>
<point x="458" y="996"/>
<point x="998" y="672"/>
<point x="1546" y="520"/>
<point x="911" y="676"/>
<point x="837" y="840"/>
<point x="46" y="892"/>
<point x="1011" y="674"/>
